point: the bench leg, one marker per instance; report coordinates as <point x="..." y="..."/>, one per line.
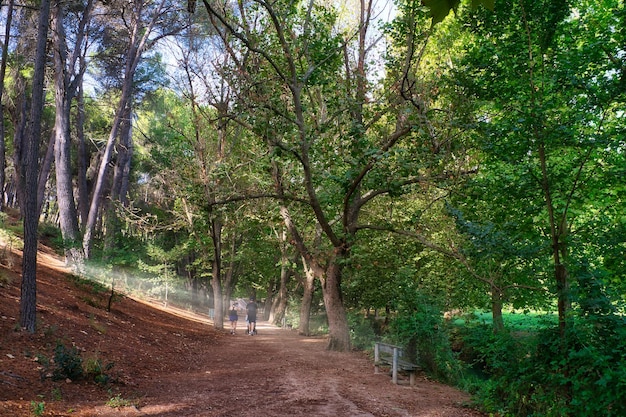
<point x="376" y="369"/>
<point x="394" y="367"/>
<point x="412" y="378"/>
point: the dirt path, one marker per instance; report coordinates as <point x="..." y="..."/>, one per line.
<point x="278" y="373"/>
<point x="175" y="364"/>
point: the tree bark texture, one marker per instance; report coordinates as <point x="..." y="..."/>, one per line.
<point x="66" y="82"/>
<point x="307" y="299"/>
<point x="216" y="274"/>
<point x="81" y="159"/>
<point x="338" y="330"/>
<point x="28" y="300"/>
<point x="280" y="306"/>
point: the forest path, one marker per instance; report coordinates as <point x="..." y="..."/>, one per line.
<point x="174" y="363"/>
<point x="280" y="373"/>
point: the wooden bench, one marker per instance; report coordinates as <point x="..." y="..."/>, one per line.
<point x="393" y="357"/>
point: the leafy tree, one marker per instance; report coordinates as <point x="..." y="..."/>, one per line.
<point x="337" y="138"/>
<point x="547" y="125"/>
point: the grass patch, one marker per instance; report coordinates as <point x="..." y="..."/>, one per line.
<point x="118" y="401"/>
<point x="514" y="321"/>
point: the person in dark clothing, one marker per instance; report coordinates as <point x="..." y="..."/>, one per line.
<point x="251" y="310"/>
<point x="233" y="317"/>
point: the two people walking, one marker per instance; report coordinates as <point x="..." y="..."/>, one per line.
<point x="233" y="316"/>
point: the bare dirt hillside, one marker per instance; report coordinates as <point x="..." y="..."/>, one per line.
<point x="173" y="363"/>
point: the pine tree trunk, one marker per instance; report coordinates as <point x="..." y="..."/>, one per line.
<point x="68" y="216"/>
<point x="28" y="300"/>
<point x="81" y="159"/>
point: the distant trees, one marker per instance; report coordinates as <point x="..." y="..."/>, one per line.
<point x="68" y="65"/>
<point x="139" y="26"/>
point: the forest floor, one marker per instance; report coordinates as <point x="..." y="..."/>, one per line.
<point x="174" y="363"/>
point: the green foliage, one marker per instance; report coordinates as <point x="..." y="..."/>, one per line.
<point x="37" y="408"/>
<point x="362" y="331"/>
<point x="487" y="353"/>
<point x="545" y="374"/>
<point x="97" y="371"/>
<point x="118" y="401"/>
<point x="5" y="278"/>
<point x="88" y="285"/>
<point x="67" y="363"/>
<point x="50" y="234"/>
<point x="421" y="328"/>
<point x="56" y="394"/>
<point x="440" y="9"/>
<point x="100" y="294"/>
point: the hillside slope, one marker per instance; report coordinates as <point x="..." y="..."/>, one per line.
<point x="155" y="362"/>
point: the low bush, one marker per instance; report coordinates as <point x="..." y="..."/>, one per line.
<point x="421" y="328"/>
<point x="362" y="334"/>
<point x="581" y="372"/>
<point x="67" y="363"/>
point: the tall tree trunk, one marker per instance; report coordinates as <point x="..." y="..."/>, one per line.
<point x="3" y="69"/>
<point x="65" y="91"/>
<point x="496" y="309"/>
<point x="307" y="299"/>
<point x="124" y="151"/>
<point x="44" y="172"/>
<point x="339" y="332"/>
<point x="216" y="274"/>
<point x="81" y="159"/>
<point x="230" y="279"/>
<point x="19" y="145"/>
<point x="28" y="300"/>
<point x="122" y="165"/>
<point x="137" y="43"/>
<point x="557" y="232"/>
<point x="103" y="171"/>
<point x="280" y="304"/>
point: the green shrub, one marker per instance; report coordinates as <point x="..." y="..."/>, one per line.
<point x="67" y="363"/>
<point x="362" y="334"/>
<point x="579" y="373"/>
<point x="95" y="370"/>
<point x="420" y="327"/>
<point x="37" y="408"/>
<point x="118" y="401"/>
<point x="50" y="234"/>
